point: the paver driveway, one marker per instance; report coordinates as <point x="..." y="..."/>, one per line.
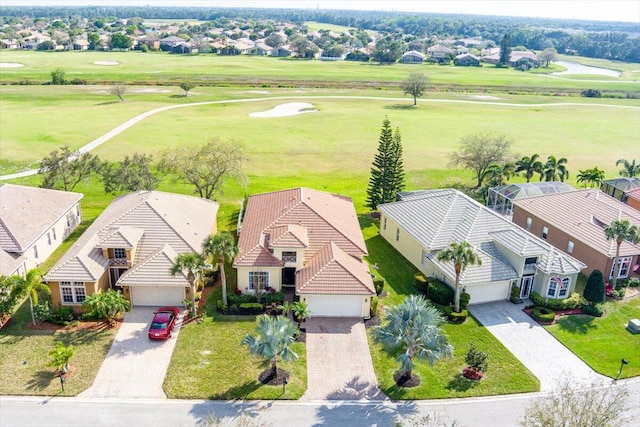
<point x="135" y="366"/>
<point x="537" y="349"/>
<point x="339" y="364"/>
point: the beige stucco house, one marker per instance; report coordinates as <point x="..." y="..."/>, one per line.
<point x="33" y="223"/>
<point x="308" y="240"/>
<point x="131" y="247"/>
<point x="422" y="223"/>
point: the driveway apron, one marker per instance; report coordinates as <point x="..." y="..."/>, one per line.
<point x="339" y="365"/>
<point x="135" y="366"/>
<point x="537" y="349"/>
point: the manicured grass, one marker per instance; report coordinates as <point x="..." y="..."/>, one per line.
<point x="444" y="380"/>
<point x="602" y="342"/>
<point x="209" y="363"/>
<point x="24" y="355"/>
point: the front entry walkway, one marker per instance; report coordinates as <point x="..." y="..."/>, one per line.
<point x="135" y="366"/>
<point x="339" y="365"/>
<point x="537" y="349"/>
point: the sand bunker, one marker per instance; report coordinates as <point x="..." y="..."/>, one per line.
<point x="106" y="62"/>
<point x="152" y="90"/>
<point x="285" y="110"/>
<point x="11" y="65"/>
<point x="487" y="97"/>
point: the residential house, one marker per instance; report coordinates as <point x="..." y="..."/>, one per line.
<point x="168" y="44"/>
<point x="33" y="223"/>
<point x="517" y="58"/>
<point x="440" y="54"/>
<point x="152" y="42"/>
<point x="259" y="49"/>
<point x="310" y="241"/>
<point x="280" y="52"/>
<point x="9" y="44"/>
<point x="80" y="44"/>
<point x="131" y="247"/>
<point x="633" y="198"/>
<point x="619" y="188"/>
<point x="466" y="60"/>
<point x="412" y="57"/>
<point x="574" y="222"/>
<point x="423" y="223"/>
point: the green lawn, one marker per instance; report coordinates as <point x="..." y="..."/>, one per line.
<point x="603" y="342"/>
<point x="24" y="355"/>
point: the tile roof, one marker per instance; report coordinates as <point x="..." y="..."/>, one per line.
<point x="154" y="271"/>
<point x="435" y="218"/>
<point x="180" y="221"/>
<point x="333" y="271"/>
<point x="28" y="212"/>
<point x="9" y="262"/>
<point x="583" y="214"/>
<point x="289" y="236"/>
<point x="121" y="237"/>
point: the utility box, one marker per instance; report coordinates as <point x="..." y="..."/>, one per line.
<point x="634" y="326"/>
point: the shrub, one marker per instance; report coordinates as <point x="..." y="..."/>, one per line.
<point x="476" y="358"/>
<point x="78" y="82"/>
<point x="420" y="283"/>
<point x="440" y="292"/>
<point x="537" y="299"/>
<point x="273" y="309"/>
<point x="62" y="315"/>
<point x="591" y="93"/>
<point x="464" y="300"/>
<point x="251" y="308"/>
<point x="456" y="317"/>
<point x="593" y="310"/>
<point x="594" y="291"/>
<point x="634" y="282"/>
<point x="379" y="285"/>
<point x="543" y="314"/>
<point x="42" y="311"/>
<point x="374" y="306"/>
<point x="237" y="299"/>
<point x="220" y="307"/>
<point x="273" y="297"/>
<point x="618" y="294"/>
<point x="574" y="301"/>
<point x="514" y="297"/>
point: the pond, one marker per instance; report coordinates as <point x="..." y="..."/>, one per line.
<point x="575" y="68"/>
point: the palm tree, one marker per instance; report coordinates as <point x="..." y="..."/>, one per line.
<point x="413" y="327"/>
<point x="31" y="284"/>
<point x="60" y="356"/>
<point x="461" y="255"/>
<point x="190" y="264"/>
<point x="592" y="177"/>
<point x="555" y="169"/>
<point x="630" y="169"/>
<point x="497" y="175"/>
<point x="222" y="247"/>
<point x="300" y="310"/>
<point x="529" y="165"/>
<point x="273" y="340"/>
<point x="621" y="230"/>
<point x="107" y="305"/>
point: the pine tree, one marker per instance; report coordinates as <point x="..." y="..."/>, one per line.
<point x="380" y="176"/>
<point x="397" y="169"/>
<point x="505" y="49"/>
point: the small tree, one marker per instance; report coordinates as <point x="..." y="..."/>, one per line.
<point x="529" y="165"/>
<point x="593" y="177"/>
<point x="273" y="340"/>
<point x="108" y="305"/>
<point x="132" y="174"/>
<point x="594" y="290"/>
<point x="461" y="255"/>
<point x="476" y="359"/>
<point x="300" y="310"/>
<point x="505" y="50"/>
<point x="221" y="247"/>
<point x="65" y="169"/>
<point x="190" y="264"/>
<point x="555" y="169"/>
<point x="548" y="55"/>
<point x="58" y="77"/>
<point x="620" y="230"/>
<point x="61" y="356"/>
<point x="415" y="85"/>
<point x="629" y="168"/>
<point x="10" y="293"/>
<point x="31" y="285"/>
<point x="118" y="90"/>
<point x="478" y="152"/>
<point x="186" y="87"/>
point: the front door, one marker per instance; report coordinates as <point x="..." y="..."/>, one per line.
<point x="288" y="276"/>
<point x="525" y="286"/>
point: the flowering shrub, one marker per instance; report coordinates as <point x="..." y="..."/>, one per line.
<point x="472" y="373"/>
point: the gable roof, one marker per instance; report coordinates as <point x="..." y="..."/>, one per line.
<point x="28" y="212"/>
<point x="154" y="271"/>
<point x="333" y="271"/>
<point x="435" y="218"/>
<point x="413" y="53"/>
<point x="180" y="221"/>
<point x="583" y="214"/>
<point x="326" y="217"/>
<point x="121" y="237"/>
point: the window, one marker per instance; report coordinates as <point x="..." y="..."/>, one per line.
<point x="384" y="223"/>
<point x="49" y="239"/>
<point x="289" y="256"/>
<point x="424" y="257"/>
<point x="622" y="266"/>
<point x="564" y="287"/>
<point x="68" y="220"/>
<point x="53" y="231"/>
<point x="72" y="292"/>
<point x="570" y="247"/>
<point x="119" y="253"/>
<point x="258" y="280"/>
<point x="558" y="288"/>
<point x="528" y="224"/>
<point x="545" y="232"/>
<point x="397" y="234"/>
<point x="553" y="286"/>
<point x="35" y="251"/>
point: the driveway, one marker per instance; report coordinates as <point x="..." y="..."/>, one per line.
<point x="339" y="363"/>
<point x="135" y="366"/>
<point x="537" y="349"/>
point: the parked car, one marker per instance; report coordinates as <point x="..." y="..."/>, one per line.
<point x="163" y="322"/>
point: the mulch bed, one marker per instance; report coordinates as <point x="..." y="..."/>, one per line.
<point x="558" y="314"/>
<point x="402" y="381"/>
<point x="76" y="326"/>
<point x="266" y="377"/>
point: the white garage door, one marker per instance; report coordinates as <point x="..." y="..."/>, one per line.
<point x="488" y="292"/>
<point x="157" y="295"/>
<point x="335" y="305"/>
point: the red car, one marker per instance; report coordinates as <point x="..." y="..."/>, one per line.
<point x="163" y="322"/>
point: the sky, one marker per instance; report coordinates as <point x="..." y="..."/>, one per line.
<point x="602" y="10"/>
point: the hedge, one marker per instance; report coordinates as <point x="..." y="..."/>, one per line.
<point x="593" y="310"/>
<point x="574" y="301"/>
<point x="420" y="283"/>
<point x="543" y="314"/>
<point x="456" y="317"/>
<point x="439" y="292"/>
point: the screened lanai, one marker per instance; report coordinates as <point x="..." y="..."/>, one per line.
<point x="500" y="199"/>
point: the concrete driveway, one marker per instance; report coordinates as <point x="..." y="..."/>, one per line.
<point x="537" y="349"/>
<point x="135" y="366"/>
<point x="339" y="363"/>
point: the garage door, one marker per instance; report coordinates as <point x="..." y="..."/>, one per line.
<point x="488" y="292"/>
<point x="335" y="305"/>
<point x="157" y="295"/>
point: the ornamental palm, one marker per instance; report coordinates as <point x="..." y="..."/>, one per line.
<point x="190" y="264"/>
<point x="31" y="284"/>
<point x="630" y="169"/>
<point x="621" y="230"/>
<point x="461" y="255"/>
<point x="592" y="177"/>
<point x="497" y="175"/>
<point x="555" y="169"/>
<point x="273" y="340"/>
<point x="529" y="165"/>
<point x="222" y="247"/>
<point x="414" y="327"/>
<point x="107" y="305"/>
